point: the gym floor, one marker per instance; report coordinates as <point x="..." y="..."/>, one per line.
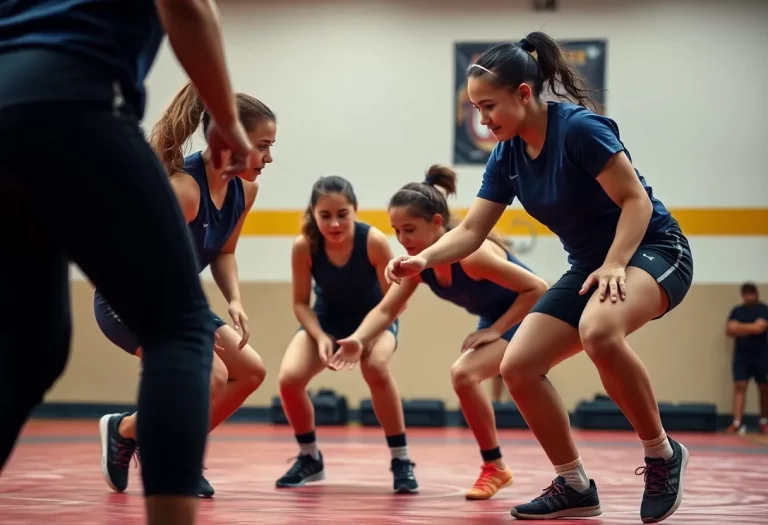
<point x="54" y="477"/>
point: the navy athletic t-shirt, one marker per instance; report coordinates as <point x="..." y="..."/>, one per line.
<point x="749" y="314"/>
<point x="559" y="187"/>
<point x="123" y="35"/>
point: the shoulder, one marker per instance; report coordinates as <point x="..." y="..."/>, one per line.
<point x="301" y="247"/>
<point x="736" y="311"/>
<point x="481" y="258"/>
<point x="377" y="245"/>
<point x="186" y="187"/>
<point x="577" y="121"/>
<point x="250" y="190"/>
<point x="763" y="308"/>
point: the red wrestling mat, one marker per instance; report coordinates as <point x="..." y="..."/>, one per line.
<point x="54" y="478"/>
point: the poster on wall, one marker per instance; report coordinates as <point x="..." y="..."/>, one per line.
<point x="473" y="142"/>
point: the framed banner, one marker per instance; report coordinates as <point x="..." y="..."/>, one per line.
<point x="472" y="141"/>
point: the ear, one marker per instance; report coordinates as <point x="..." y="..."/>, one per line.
<point x="525" y="93"/>
<point x="437" y="220"/>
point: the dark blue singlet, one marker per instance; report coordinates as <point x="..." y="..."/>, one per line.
<point x="483" y="298"/>
<point x="209" y="231"/>
<point x="345" y="294"/>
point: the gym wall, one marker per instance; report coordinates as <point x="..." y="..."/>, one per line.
<point x="365" y="90"/>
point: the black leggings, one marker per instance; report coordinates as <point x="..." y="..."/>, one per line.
<point x="79" y="183"/>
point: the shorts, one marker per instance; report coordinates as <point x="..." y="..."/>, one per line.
<point x="486" y="322"/>
<point x="668" y="259"/>
<point x="116" y="331"/>
<point x="340" y="330"/>
<point x="750" y="365"/>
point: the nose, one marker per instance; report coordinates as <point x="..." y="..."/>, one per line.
<point x="485" y="120"/>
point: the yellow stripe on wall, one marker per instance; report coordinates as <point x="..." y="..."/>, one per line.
<point x="694" y="221"/>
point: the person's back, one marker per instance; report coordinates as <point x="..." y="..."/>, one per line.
<point x="122" y="36"/>
<point x="80" y="183"/>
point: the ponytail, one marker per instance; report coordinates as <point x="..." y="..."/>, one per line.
<point x="537" y="59"/>
<point x="185" y="114"/>
<point x="177" y="123"/>
<point x="429" y="198"/>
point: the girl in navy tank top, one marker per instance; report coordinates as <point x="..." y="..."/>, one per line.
<point x="346" y="260"/>
<point x="491" y="283"/>
<point x="215" y="211"/>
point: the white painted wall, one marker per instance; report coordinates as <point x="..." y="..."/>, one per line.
<point x="364" y="89"/>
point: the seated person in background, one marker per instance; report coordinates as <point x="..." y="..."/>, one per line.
<point x="748" y="325"/>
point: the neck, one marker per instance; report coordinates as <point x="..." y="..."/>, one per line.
<point x="215" y="182"/>
<point x="535" y="131"/>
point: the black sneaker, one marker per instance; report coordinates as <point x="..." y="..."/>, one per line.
<point x="304" y="470"/>
<point x="404" y="480"/>
<point x="663" y="484"/>
<point x="116" y="452"/>
<point x="560" y="500"/>
<point x="205" y="490"/>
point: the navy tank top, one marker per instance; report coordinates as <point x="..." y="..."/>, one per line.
<point x="213" y="227"/>
<point x="482" y="298"/>
<point x="345" y="294"/>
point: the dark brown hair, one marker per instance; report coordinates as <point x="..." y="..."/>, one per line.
<point x="184" y="115"/>
<point x="536" y="59"/>
<point x="324" y="186"/>
<point x="429" y="198"/>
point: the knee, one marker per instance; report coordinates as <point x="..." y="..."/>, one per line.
<point x="461" y="377"/>
<point x="375" y="372"/>
<point x="219" y="377"/>
<point x="519" y="374"/>
<point x="254" y="376"/>
<point x="740" y="387"/>
<point x="601" y="339"/>
<point x="289" y="381"/>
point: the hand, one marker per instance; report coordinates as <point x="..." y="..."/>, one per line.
<point x="217" y="343"/>
<point x="608" y="278"/>
<point x="761" y="325"/>
<point x="325" y="350"/>
<point x="234" y="139"/>
<point x="480" y="338"/>
<point x="237" y="313"/>
<point x="404" y="266"/>
<point x="350" y="351"/>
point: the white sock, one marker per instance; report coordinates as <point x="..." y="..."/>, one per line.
<point x="310" y="449"/>
<point x="736" y="423"/>
<point x="658" y="448"/>
<point x="399" y="452"/>
<point x="574" y="475"/>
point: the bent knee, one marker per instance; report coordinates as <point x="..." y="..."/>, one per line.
<point x="462" y="377"/>
<point x="219" y="377"/>
<point x="292" y="380"/>
<point x="600" y="338"/>
<point x="518" y="374"/>
<point x="740" y="387"/>
<point x="253" y="376"/>
<point x="375" y="372"/>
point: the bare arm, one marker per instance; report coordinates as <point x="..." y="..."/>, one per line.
<point x="301" y="267"/>
<point x="379" y="255"/>
<point x="738" y="329"/>
<point x="484" y="264"/>
<point x="619" y="180"/>
<point x="224" y="266"/>
<point x="467" y="237"/>
<point x="385" y="313"/>
<point x="187" y="194"/>
<point x="195" y="36"/>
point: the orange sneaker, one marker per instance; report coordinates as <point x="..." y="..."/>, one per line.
<point x="491" y="480"/>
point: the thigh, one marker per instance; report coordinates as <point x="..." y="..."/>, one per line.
<point x="239" y="362"/>
<point x="381" y="351"/>
<point x="110" y="206"/>
<point x="760" y="368"/>
<point x="301" y="361"/>
<point x="669" y="261"/>
<point x="562" y="300"/>
<point x="482" y="362"/>
<point x="541" y="342"/>
<point x="35" y="323"/>
<point x="645" y="300"/>
<point x="740" y="368"/>
<point x="113" y="327"/>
